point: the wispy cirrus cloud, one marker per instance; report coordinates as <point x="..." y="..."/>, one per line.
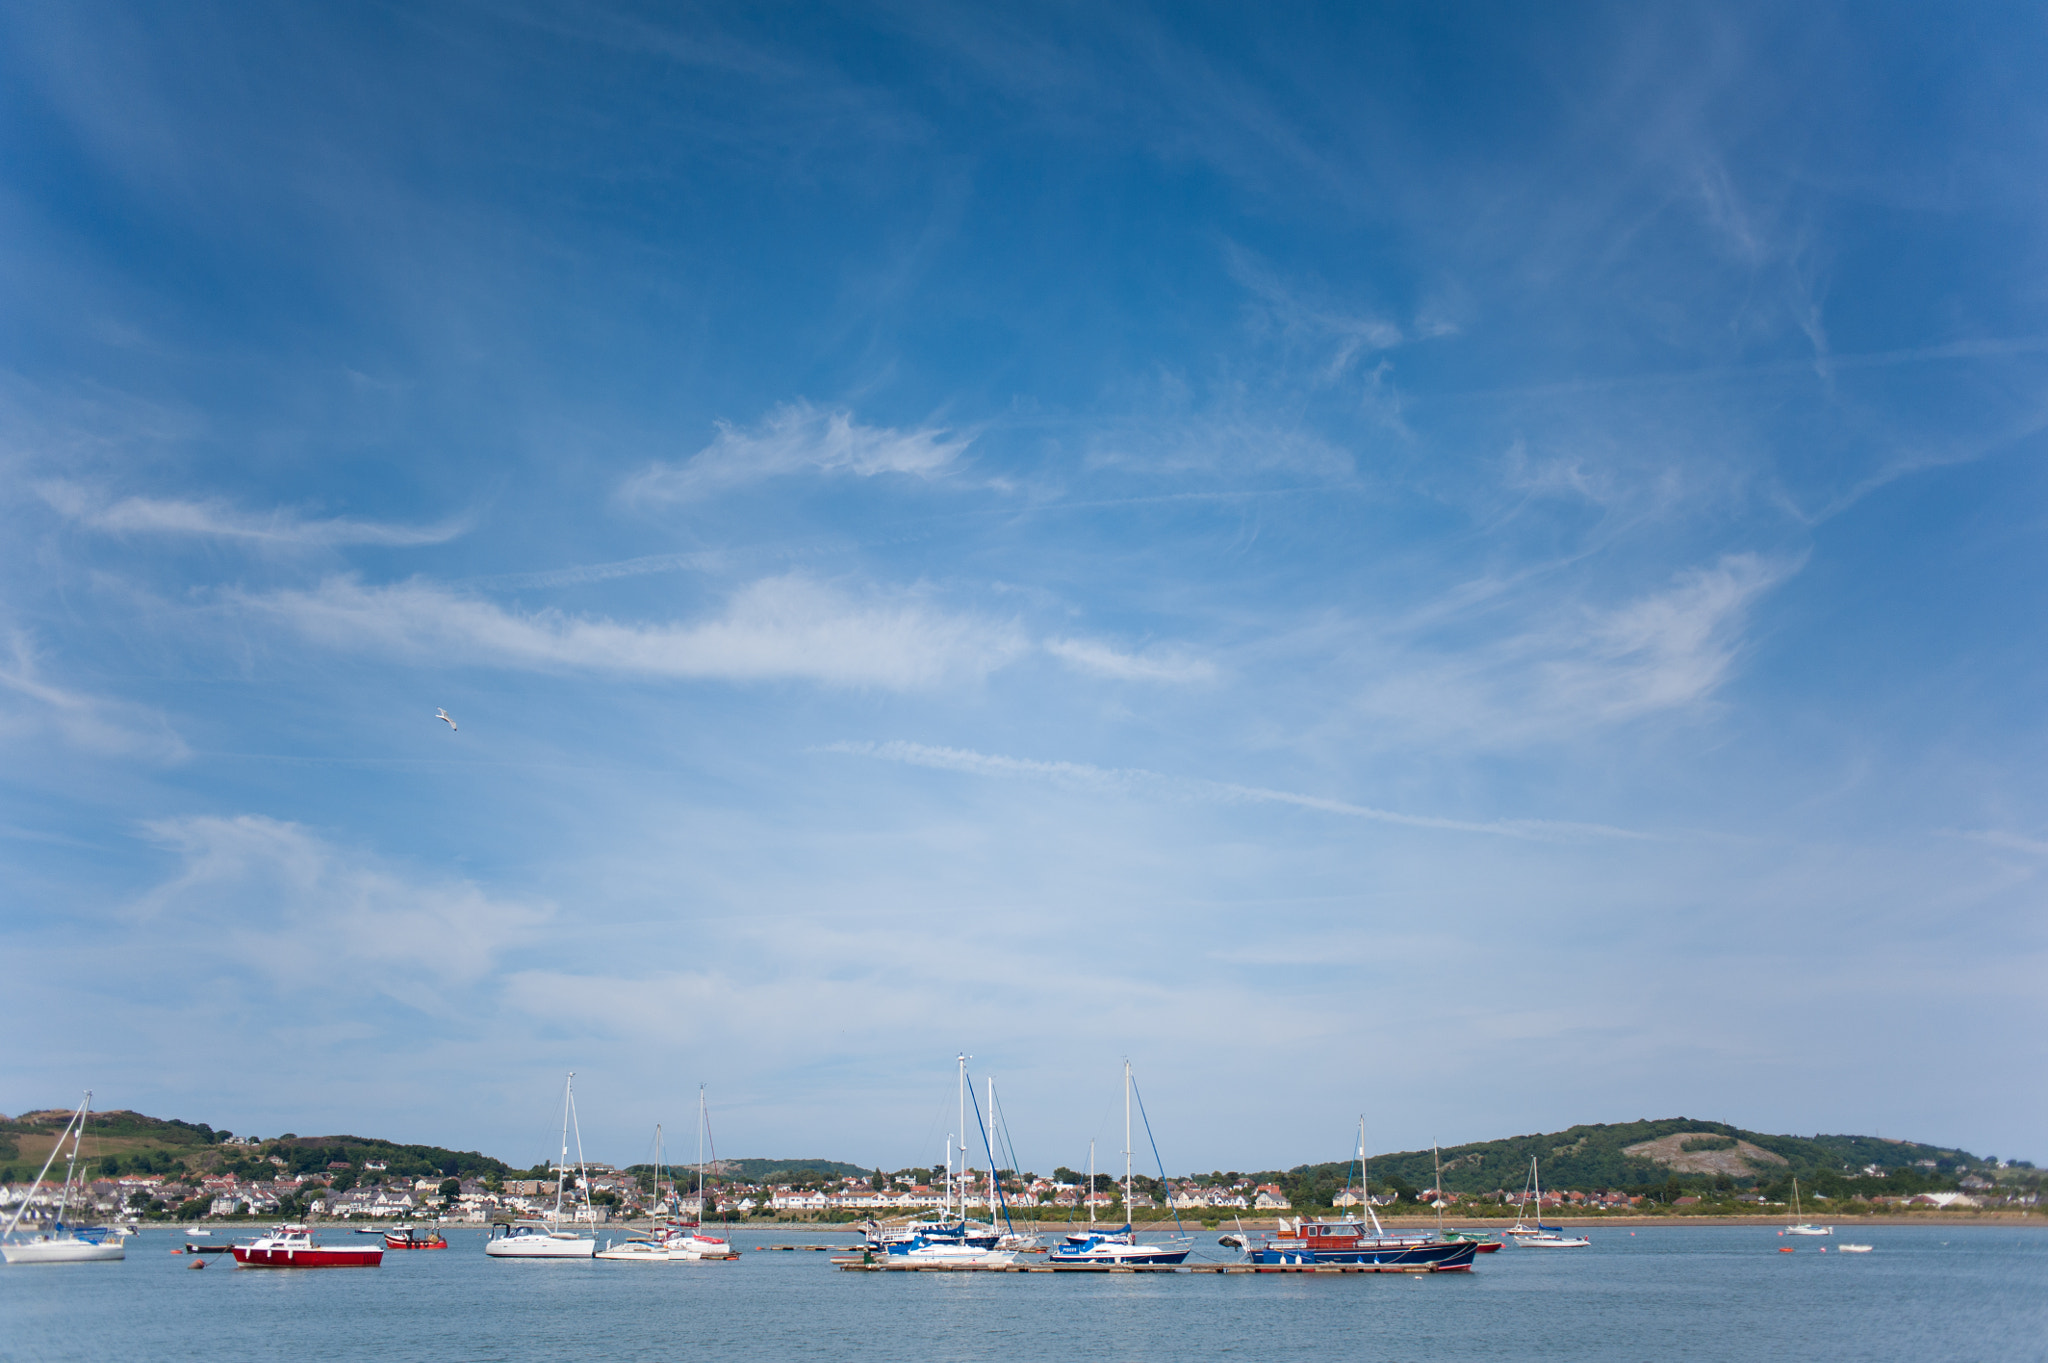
<point x="2011" y="842"/>
<point x="1668" y="648"/>
<point x="214" y="518"/>
<point x="798" y="438"/>
<point x="1575" y="669"/>
<point x="788" y="627"/>
<point x="1138" y="781"/>
<point x="93" y="723"/>
<point x="1100" y="659"/>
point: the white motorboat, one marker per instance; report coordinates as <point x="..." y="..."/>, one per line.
<point x="535" y="1238"/>
<point x="56" y="1242"/>
<point x="1852" y="1249"/>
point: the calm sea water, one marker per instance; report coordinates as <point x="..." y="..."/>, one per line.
<point x="1711" y="1293"/>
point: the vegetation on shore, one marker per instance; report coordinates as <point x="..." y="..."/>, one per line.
<point x="1730" y="1171"/>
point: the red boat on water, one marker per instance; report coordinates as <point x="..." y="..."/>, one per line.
<point x="411" y="1237"/>
<point x="294" y="1247"/>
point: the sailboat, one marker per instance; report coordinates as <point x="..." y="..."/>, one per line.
<point x="693" y="1243"/>
<point x="1486" y="1243"/>
<point x="951" y="1241"/>
<point x="651" y="1248"/>
<point x="60" y="1243"/>
<point x="534" y="1238"/>
<point x="1352" y="1240"/>
<point x="1540" y="1236"/>
<point x="1121" y="1246"/>
<point x="1798" y="1227"/>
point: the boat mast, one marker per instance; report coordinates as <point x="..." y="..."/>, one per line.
<point x="71" y="1165"/>
<point x="703" y="1120"/>
<point x="1091" y="1184"/>
<point x="1128" y="1222"/>
<point x="78" y="1117"/>
<point x="1436" y="1157"/>
<point x="582" y="1175"/>
<point x="1365" y="1177"/>
<point x="562" y="1164"/>
<point x="963" y="1140"/>
<point x="988" y="1140"/>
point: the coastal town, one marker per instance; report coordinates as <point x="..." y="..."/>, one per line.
<point x="367" y="1190"/>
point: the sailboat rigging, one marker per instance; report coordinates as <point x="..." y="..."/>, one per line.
<point x="1122" y="1246"/>
<point x="60" y="1243"/>
<point x="535" y="1238"/>
<point x="1542" y="1236"/>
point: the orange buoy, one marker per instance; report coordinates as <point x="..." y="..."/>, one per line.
<point x="197" y="1263"/>
<point x="1784" y="1249"/>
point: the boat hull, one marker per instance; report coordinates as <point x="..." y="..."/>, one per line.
<point x="62" y="1251"/>
<point x="303" y="1256"/>
<point x="637" y="1252"/>
<point x="1428" y="1254"/>
<point x="1120" y="1248"/>
<point x="953" y="1254"/>
<point x="1130" y="1254"/>
<point x="541" y="1247"/>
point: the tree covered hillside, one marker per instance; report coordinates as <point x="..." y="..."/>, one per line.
<point x="1675" y="1152"/>
<point x="122" y="1142"/>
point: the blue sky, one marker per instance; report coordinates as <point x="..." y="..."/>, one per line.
<point x="1472" y="565"/>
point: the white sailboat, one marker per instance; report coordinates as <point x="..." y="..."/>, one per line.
<point x="59" y="1243"/>
<point x="959" y="1242"/>
<point x="693" y="1243"/>
<point x="651" y="1248"/>
<point x="1799" y="1227"/>
<point x="1540" y="1236"/>
<point x="1119" y="1246"/>
<point x="533" y="1238"/>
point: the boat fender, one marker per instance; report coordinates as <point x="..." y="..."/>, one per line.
<point x="197" y="1263"/>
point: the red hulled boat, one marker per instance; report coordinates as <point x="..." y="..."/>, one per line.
<point x="293" y="1247"/>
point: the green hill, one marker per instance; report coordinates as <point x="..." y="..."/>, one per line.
<point x="123" y="1142"/>
<point x="1675" y="1153"/>
<point x="786" y="1170"/>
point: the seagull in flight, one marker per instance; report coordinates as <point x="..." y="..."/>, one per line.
<point x="443" y="714"/>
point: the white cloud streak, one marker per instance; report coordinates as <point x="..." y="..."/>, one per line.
<point x="95" y="724"/>
<point x="1666" y="651"/>
<point x="789" y="627"/>
<point x="1099" y="659"/>
<point x="216" y="519"/>
<point x="798" y="438"/>
<point x="1136" y="781"/>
